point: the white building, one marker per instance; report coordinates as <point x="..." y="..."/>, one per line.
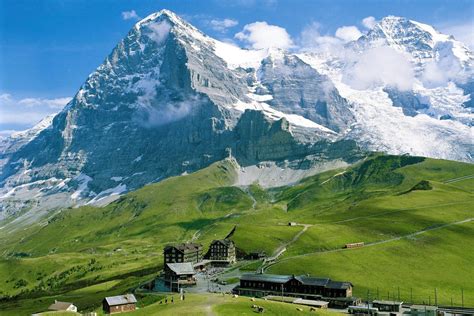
<point x="62" y="306"/>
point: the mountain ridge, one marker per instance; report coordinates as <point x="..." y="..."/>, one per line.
<point x="170" y="99"/>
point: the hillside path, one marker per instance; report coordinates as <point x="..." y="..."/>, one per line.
<point x="211" y="300"/>
<point x="471" y="176"/>
<point x="281" y="249"/>
<point x="249" y="193"/>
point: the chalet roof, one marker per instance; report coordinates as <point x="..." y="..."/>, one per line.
<point x="351" y="299"/>
<point x="225" y="242"/>
<point x="59" y="306"/>
<point x="185" y="246"/>
<point x="307" y="280"/>
<point x="181" y="268"/>
<point x="336" y="285"/>
<point x="385" y="302"/>
<point x="263" y="277"/>
<point x="121" y="299"/>
<point x="304" y="279"/>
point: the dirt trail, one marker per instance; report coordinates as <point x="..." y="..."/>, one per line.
<point x="247" y="190"/>
<point x="195" y="236"/>
<point x="471" y="176"/>
<point x="211" y="300"/>
<point x="281" y="249"/>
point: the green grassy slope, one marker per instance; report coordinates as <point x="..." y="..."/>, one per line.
<point x="375" y="201"/>
<point x="215" y="304"/>
<point x="440" y="258"/>
<point x="416" y="266"/>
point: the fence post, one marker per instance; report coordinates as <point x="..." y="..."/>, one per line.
<point x="436" y="298"/>
<point x="367" y="298"/>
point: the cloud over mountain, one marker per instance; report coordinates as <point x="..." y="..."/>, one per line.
<point x="130" y="15"/>
<point x="222" y="25"/>
<point x="22" y="113"/>
<point x="260" y="35"/>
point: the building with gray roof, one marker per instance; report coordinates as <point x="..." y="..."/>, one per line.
<point x="185" y="252"/>
<point x="62" y="306"/>
<point x="179" y="274"/>
<point x="303" y="286"/>
<point x="119" y="303"/>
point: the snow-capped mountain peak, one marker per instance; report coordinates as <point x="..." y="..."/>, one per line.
<point x="418" y="39"/>
<point x="170" y="99"/>
<point x="164" y="21"/>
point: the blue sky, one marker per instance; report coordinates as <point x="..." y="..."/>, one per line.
<point x="49" y="47"/>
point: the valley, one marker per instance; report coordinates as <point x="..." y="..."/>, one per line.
<point x="415" y="216"/>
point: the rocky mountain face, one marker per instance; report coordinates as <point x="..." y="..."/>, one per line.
<point x="295" y="87"/>
<point x="170" y="100"/>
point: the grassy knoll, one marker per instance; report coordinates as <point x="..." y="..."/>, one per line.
<point x="194" y="304"/>
<point x="88" y="252"/>
<point x="216" y="304"/>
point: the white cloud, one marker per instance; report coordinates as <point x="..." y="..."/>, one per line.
<point x="166" y="112"/>
<point x="21" y="119"/>
<point x="260" y="35"/>
<point x="22" y="113"/>
<point x="380" y="66"/>
<point x="5" y="97"/>
<point x="311" y="39"/>
<point x="446" y="68"/>
<point x="57" y="103"/>
<point x="159" y="31"/>
<point x="129" y="15"/>
<point x="462" y="32"/>
<point x="6" y="132"/>
<point x="348" y="33"/>
<point x="369" y="22"/>
<point x="222" y="25"/>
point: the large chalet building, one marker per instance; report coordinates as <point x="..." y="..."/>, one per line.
<point x="178" y="275"/>
<point x="259" y="285"/>
<point x="222" y="251"/>
<point x="186" y="252"/>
